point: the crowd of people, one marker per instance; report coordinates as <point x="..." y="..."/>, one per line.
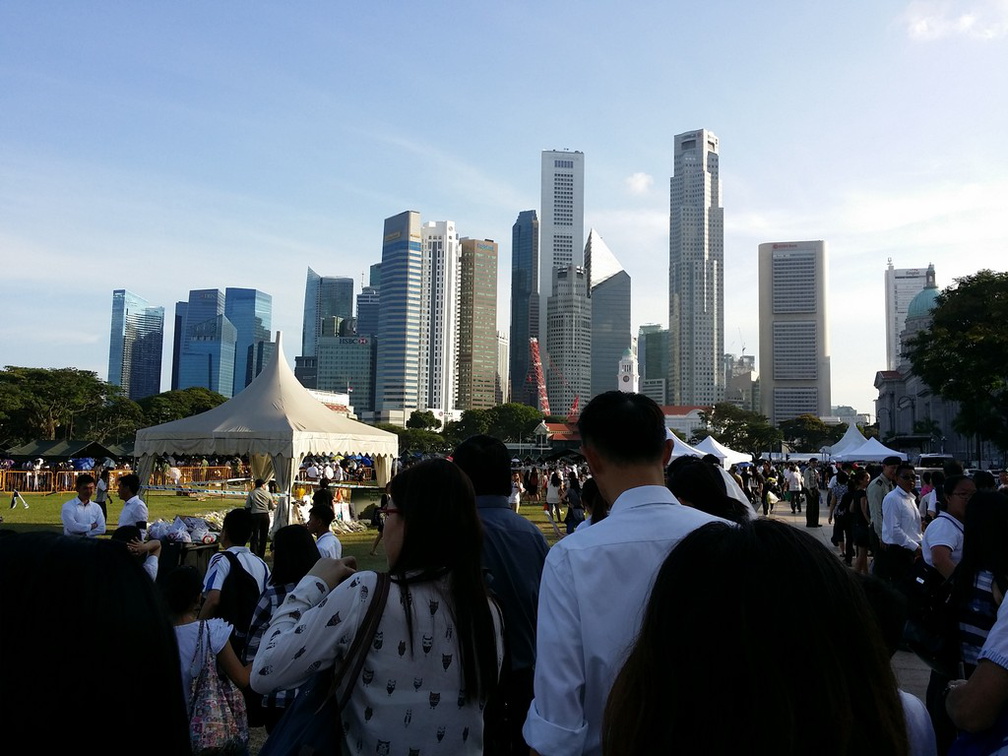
<point x="642" y="630"/>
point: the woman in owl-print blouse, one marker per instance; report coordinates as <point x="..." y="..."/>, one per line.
<point x="436" y="655"/>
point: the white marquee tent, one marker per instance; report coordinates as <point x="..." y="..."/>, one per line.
<point x="852" y="439"/>
<point x="727" y="456"/>
<point x="870" y="451"/>
<point x="276" y="422"/>
<point x="679" y="447"/>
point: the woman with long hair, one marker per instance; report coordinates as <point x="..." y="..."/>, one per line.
<point x="700" y="686"/>
<point x="436" y="655"/>
<point x="855" y="501"/>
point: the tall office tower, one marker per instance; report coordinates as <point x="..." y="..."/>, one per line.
<point x="652" y="361"/>
<point x="346" y="364"/>
<point x="440" y="270"/>
<point x="696" y="272"/>
<point x="207" y="345"/>
<point x="374" y="275"/>
<point x="901" y="286"/>
<point x="740" y="382"/>
<point x="561" y="226"/>
<point x="568" y="338"/>
<point x="502" y="389"/>
<point x="325" y="296"/>
<point x="178" y="326"/>
<point x="524" y="303"/>
<point x="251" y="313"/>
<point x="135" y="345"/>
<point x="397" y="374"/>
<point x="477" y="344"/>
<point x="794" y="330"/>
<point x="368" y="311"/>
<point x="610" y="313"/>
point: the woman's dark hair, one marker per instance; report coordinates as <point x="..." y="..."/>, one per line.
<point x="442" y="534"/>
<point x="985" y="540"/>
<point x="181" y="589"/>
<point x="555" y="479"/>
<point x="575" y="484"/>
<point x="92" y="594"/>
<point x="593" y="501"/>
<point x="689" y="686"/>
<point x="841" y="478"/>
<point x="294" y="553"/>
<point x="691" y="479"/>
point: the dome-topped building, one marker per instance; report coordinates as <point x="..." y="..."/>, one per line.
<point x="918" y="315"/>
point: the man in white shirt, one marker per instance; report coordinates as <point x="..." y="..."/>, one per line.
<point x="320" y="517"/>
<point x="596" y="582"/>
<point x="134" y="511"/>
<point x="235" y="534"/>
<point x="80" y="515"/>
<point x="901" y="526"/>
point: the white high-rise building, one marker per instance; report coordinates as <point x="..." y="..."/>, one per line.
<point x="794" y="330"/>
<point x="568" y="340"/>
<point x="561" y="226"/>
<point x="440" y="281"/>
<point x="696" y="272"/>
<point x="901" y="286"/>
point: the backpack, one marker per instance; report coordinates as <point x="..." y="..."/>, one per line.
<point x="932" y="626"/>
<point x="239" y="595"/>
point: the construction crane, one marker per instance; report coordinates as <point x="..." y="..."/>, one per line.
<point x="537" y="371"/>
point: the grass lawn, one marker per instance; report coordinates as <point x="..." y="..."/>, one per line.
<point x="44" y="514"/>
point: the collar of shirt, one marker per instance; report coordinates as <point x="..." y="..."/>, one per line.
<point x="491" y="501"/>
<point x="635" y="497"/>
<point x="133" y="500"/>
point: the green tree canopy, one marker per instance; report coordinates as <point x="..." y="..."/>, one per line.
<point x="807" y="433"/>
<point x="175" y="405"/>
<point x="423" y="419"/>
<point x="739" y="429"/>
<point x="471" y="423"/>
<point x="963" y="354"/>
<point x="50" y="403"/>
<point x="512" y="422"/>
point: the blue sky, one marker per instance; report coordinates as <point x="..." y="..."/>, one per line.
<point x="166" y="147"/>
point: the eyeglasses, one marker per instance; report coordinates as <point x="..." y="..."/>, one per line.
<point x="963" y="494"/>
<point x="388" y="510"/>
<point x="907" y="476"/>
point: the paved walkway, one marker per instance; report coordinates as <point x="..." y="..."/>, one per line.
<point x="911" y="672"/>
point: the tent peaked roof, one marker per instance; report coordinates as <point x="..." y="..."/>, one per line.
<point x="679" y="447"/>
<point x="274" y="407"/>
<point x="710" y="445"/>
<point x="852" y="439"/>
<point x="870" y="451"/>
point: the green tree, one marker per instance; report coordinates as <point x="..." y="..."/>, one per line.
<point x="471" y="423"/>
<point x="422" y="441"/>
<point x="512" y="422"/>
<point x="807" y="433"/>
<point x="963" y="353"/>
<point x="424" y="420"/>
<point x="739" y="429"/>
<point x="178" y="404"/>
<point x="45" y="403"/>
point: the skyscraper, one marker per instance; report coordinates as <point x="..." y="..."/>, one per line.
<point x="503" y="384"/>
<point x="440" y="270"/>
<point x="524" y="303"/>
<point x="901" y="286"/>
<point x="135" y="343"/>
<point x="652" y="360"/>
<point x="794" y="330"/>
<point x="610" y="313"/>
<point x="325" y="297"/>
<point x="696" y="272"/>
<point x="368" y="311"/>
<point x="207" y="343"/>
<point x="568" y="339"/>
<point x="477" y="345"/>
<point x="346" y="364"/>
<point x="251" y="313"/>
<point x="561" y="228"/>
<point x="397" y="372"/>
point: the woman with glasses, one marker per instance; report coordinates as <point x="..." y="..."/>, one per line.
<point x="436" y="655"/>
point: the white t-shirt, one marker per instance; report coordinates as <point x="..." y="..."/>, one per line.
<point x="945" y="530"/>
<point x="219" y="567"/>
<point x="329" y="545"/>
<point x="920" y="732"/>
<point x="187" y="635"/>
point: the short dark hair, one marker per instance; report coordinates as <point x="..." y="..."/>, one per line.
<point x="322" y="513"/>
<point x="951" y="483"/>
<point x="131" y="481"/>
<point x="294" y="553"/>
<point x="84" y="479"/>
<point x="238" y="526"/>
<point x="126" y="533"/>
<point x="904" y="466"/>
<point x="258" y="482"/>
<point x="487" y="462"/>
<point x="624" y="427"/>
<point x="181" y="588"/>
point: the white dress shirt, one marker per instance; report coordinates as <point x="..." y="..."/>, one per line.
<point x="77" y="518"/>
<point x="901" y="520"/>
<point x="595" y="586"/>
<point x="329" y="546"/>
<point x="134" y="511"/>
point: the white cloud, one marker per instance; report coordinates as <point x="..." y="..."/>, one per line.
<point x="929" y="20"/>
<point x="639" y="183"/>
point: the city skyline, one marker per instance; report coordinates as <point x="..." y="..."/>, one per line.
<point x="270" y="145"/>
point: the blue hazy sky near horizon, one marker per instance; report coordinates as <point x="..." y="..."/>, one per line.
<point x="168" y="147"/>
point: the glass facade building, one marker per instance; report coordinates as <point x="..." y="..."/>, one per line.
<point x="135" y="343"/>
<point x="250" y="311"/>
<point x="325" y="297"/>
<point x="610" y="313"/>
<point x="207" y="343"/>
<point x="524" y="304"/>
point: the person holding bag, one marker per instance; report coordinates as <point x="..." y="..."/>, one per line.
<point x="434" y="658"/>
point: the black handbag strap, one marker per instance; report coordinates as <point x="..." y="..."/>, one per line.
<point x="349" y="670"/>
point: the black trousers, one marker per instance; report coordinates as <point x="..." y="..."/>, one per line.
<point x="260" y="534"/>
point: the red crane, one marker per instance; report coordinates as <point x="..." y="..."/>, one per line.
<point x="538" y="373"/>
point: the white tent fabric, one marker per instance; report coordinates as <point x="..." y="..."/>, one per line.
<point x="870" y="451"/>
<point x="276" y="422"/>
<point x="852" y="439"/>
<point x="679" y="447"/>
<point x="727" y="456"/>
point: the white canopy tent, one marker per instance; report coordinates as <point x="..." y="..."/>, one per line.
<point x="727" y="456"/>
<point x="870" y="451"/>
<point x="679" y="447"/>
<point x="852" y="439"/>
<point x="276" y="422"/>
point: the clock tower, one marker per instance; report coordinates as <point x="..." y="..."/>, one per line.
<point x="627" y="378"/>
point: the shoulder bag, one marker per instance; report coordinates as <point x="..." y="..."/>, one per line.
<point x="217" y="722"/>
<point x="313" y="723"/>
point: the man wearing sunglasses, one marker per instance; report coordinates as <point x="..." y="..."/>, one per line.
<point x="901" y="525"/>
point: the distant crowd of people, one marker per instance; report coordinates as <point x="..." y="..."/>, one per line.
<point x="644" y="629"/>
